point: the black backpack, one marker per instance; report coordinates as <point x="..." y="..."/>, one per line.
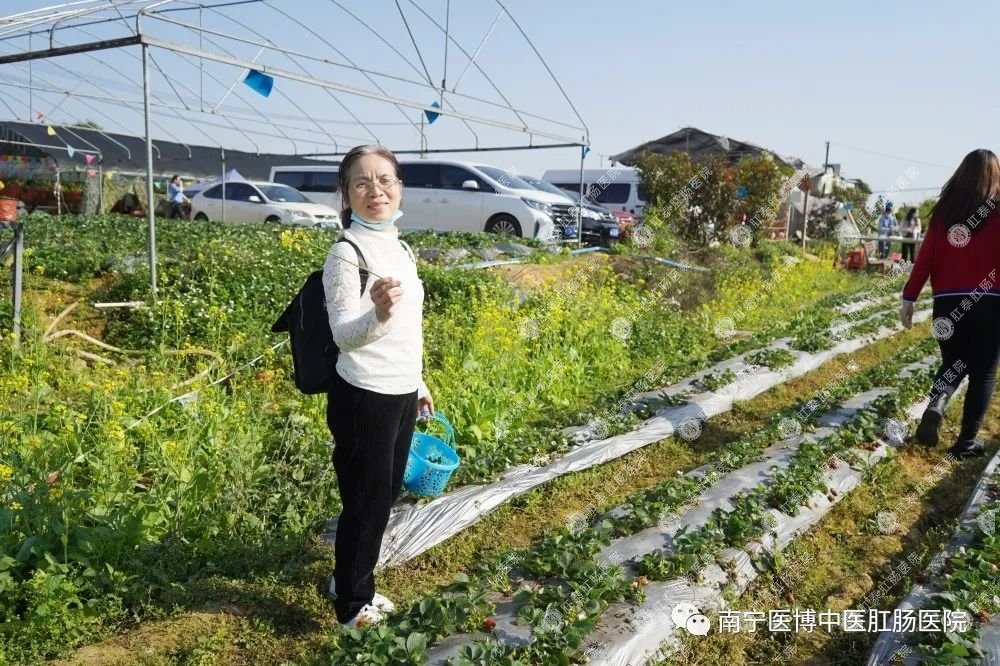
<point x="314" y="353"/>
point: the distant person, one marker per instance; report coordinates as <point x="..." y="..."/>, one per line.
<point x="961" y="255"/>
<point x="177" y="198"/>
<point x="886" y="223"/>
<point x="911" y="229"/>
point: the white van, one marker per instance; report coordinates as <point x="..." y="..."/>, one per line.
<point x="447" y="195"/>
<point x="616" y="188"/>
<point x="318" y="183"/>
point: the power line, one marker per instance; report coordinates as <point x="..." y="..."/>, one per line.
<point x="893" y="157"/>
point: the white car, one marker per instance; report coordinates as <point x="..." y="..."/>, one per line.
<point x="447" y="195"/>
<point x="256" y="201"/>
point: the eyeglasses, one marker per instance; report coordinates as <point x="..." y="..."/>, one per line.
<point x="365" y="186"/>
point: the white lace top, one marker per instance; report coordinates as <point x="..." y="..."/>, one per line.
<point x="381" y="357"/>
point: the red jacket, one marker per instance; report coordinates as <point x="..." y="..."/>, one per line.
<point x="956" y="263"/>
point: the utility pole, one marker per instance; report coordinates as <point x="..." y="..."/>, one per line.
<point x="826" y="166"/>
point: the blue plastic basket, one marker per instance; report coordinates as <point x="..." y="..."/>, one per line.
<point x="423" y="477"/>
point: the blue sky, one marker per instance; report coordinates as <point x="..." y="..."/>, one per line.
<point x="911" y="81"/>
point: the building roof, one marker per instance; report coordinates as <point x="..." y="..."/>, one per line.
<point x="127" y="154"/>
<point x="700" y="143"/>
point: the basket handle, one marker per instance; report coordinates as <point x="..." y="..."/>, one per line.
<point x="449" y="431"/>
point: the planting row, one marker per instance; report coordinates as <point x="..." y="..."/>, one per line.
<point x="963" y="579"/>
<point x="569" y="559"/>
<point x="414" y="528"/>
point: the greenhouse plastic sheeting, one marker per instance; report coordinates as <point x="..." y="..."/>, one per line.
<point x="888" y="643"/>
<point x="628" y="634"/>
<point x="415" y="528"/>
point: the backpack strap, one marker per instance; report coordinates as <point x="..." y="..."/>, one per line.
<point x="362" y="272"/>
<point x="408" y="249"/>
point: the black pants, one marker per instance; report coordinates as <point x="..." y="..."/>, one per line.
<point x="372" y="433"/>
<point x="908" y="251"/>
<point x="973" y="349"/>
<point x="176" y="211"/>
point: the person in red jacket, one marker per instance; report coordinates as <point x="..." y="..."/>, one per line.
<point x="961" y="255"/>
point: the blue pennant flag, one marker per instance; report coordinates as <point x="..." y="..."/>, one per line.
<point x="583" y="151"/>
<point x="259" y="82"/>
<point x="70" y="150"/>
<point x="741" y="193"/>
<point x="432" y="116"/>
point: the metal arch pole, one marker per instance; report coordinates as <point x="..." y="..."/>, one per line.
<point x="150" y="207"/>
<point x="18" y="279"/>
<point x="579" y="211"/>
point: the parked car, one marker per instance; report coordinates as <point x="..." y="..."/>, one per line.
<point x="447" y="195"/>
<point x="318" y="183"/>
<point x="620" y="189"/>
<point x="599" y="224"/>
<point x="255" y="201"/>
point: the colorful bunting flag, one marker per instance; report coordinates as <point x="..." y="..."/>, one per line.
<point x="89" y="158"/>
<point x="39" y="115"/>
<point x="584" y="150"/>
<point x="431" y="115"/>
<point x="51" y="131"/>
<point x="71" y="151"/>
<point x="91" y="173"/>
<point x="259" y="82"/>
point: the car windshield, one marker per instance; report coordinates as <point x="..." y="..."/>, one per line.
<point x="546" y="187"/>
<point x="506" y="178"/>
<point x="283" y="194"/>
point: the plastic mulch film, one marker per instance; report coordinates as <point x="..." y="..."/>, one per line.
<point x="629" y="634"/>
<point x="415" y="528"/>
<point x="889" y="644"/>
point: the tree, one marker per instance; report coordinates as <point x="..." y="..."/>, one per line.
<point x="701" y="201"/>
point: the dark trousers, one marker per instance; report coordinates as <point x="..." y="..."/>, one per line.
<point x="973" y="349"/>
<point x="176" y="211"/>
<point x="372" y="434"/>
<point x="908" y="251"/>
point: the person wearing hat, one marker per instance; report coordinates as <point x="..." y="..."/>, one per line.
<point x="886" y="223"/>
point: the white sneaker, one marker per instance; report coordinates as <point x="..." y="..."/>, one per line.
<point x="379" y="601"/>
<point x="366" y="616"/>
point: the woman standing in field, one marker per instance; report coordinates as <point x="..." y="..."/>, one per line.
<point x="377" y="387"/>
<point x="911" y="229"/>
<point x="961" y="255"/>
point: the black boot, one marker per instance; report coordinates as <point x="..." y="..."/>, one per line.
<point x="968" y="448"/>
<point x="930" y="422"/>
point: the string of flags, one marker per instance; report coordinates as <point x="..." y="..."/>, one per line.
<point x="70" y="150"/>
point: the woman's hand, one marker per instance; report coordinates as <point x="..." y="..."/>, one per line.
<point x="385" y="293"/>
<point x="906" y="314"/>
<point x="425" y="407"/>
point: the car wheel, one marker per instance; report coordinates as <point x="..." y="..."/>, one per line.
<point x="503" y="225"/>
<point x="273" y="219"/>
<point x="201" y="217"/>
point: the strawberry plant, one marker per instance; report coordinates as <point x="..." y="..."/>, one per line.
<point x="713" y="381"/>
<point x="775" y="359"/>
